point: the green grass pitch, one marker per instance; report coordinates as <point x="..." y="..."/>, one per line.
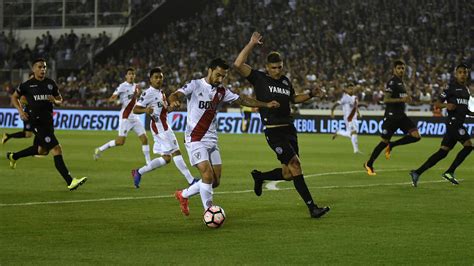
<point x="374" y="219"/>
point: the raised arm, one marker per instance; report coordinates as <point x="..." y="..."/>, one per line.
<point x="334" y="108"/>
<point x="239" y="62"/>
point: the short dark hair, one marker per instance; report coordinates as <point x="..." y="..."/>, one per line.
<point x="462" y="65"/>
<point x="274" y="57"/>
<point x="154" y="70"/>
<point x="398" y="62"/>
<point x="129" y="69"/>
<point x="39" y="59"/>
<point x="218" y="62"/>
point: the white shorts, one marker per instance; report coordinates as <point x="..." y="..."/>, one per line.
<point x="165" y="143"/>
<point x="126" y="125"/>
<point x="352" y="125"/>
<point x="201" y="151"/>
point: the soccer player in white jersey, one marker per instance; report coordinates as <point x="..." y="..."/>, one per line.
<point x="153" y="102"/>
<point x="350" y="110"/>
<point x="204" y="97"/>
<point x="127" y="94"/>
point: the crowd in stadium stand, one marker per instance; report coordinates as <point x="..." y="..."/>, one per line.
<point x="325" y="43"/>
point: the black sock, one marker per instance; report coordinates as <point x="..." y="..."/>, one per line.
<point x="462" y="154"/>
<point x="17" y="135"/>
<point x="275" y="174"/>
<point x="434" y="159"/>
<point x="403" y="141"/>
<point x="377" y="150"/>
<point x="30" y="151"/>
<point x="303" y="190"/>
<point x="62" y="169"/>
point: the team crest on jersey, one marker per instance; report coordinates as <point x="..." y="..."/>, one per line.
<point x="279" y="150"/>
<point x="47" y="139"/>
<point x="197" y="155"/>
<point x="50" y="87"/>
<point x="285" y="82"/>
<point x="462" y="132"/>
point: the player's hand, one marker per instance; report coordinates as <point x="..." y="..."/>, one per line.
<point x="24" y="116"/>
<point x="149" y="110"/>
<point x="256" y="38"/>
<point x="174" y="105"/>
<point x="317" y="92"/>
<point x="51" y="98"/>
<point x="407" y="99"/>
<point x="273" y="104"/>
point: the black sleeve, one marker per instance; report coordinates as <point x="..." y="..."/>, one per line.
<point x="292" y="92"/>
<point x="448" y="95"/>
<point x="20" y="89"/>
<point x="253" y="77"/>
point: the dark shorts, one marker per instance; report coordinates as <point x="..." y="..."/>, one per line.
<point x="392" y="123"/>
<point x="44" y="136"/>
<point x="283" y="141"/>
<point x="27" y="126"/>
<point x="455" y="133"/>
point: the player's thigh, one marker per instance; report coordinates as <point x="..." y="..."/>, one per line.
<point x="206" y="171"/>
<point x="459" y="133"/>
<point x="138" y="127"/>
<point x="45" y="137"/>
<point x="389" y="127"/>
<point x="125" y="126"/>
<point x="165" y="143"/>
<point x="197" y="152"/>
<point x="408" y="126"/>
<point x="283" y="142"/>
<point x="352" y="126"/>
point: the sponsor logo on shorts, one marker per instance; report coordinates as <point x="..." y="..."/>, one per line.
<point x="384" y="131"/>
<point x="279" y="150"/>
<point x="47" y="139"/>
<point x="462" y="132"/>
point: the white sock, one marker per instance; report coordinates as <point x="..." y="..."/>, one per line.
<point x="355" y="143"/>
<point x="192" y="190"/>
<point x="206" y="194"/>
<point x="107" y="145"/>
<point x="146" y="152"/>
<point x="156" y="163"/>
<point x="344" y="133"/>
<point x="181" y="165"/>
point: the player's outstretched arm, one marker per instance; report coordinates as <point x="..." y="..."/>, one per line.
<point x="315" y="92"/>
<point x="239" y="63"/>
<point x="247" y="101"/>
<point x="174" y="100"/>
<point x="141" y="110"/>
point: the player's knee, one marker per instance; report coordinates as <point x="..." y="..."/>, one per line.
<point x="119" y="142"/>
<point x="167" y="158"/>
<point x="176" y="153"/>
<point x="28" y="134"/>
<point x="443" y="152"/>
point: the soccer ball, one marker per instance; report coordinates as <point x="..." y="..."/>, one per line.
<point x="214" y="217"/>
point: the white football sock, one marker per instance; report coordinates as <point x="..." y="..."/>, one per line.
<point x="181" y="165"/>
<point x="192" y="190"/>
<point x="146" y="152"/>
<point x="156" y="163"/>
<point x="355" y="143"/>
<point x="206" y="194"/>
<point x="344" y="133"/>
<point x="107" y="145"/>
